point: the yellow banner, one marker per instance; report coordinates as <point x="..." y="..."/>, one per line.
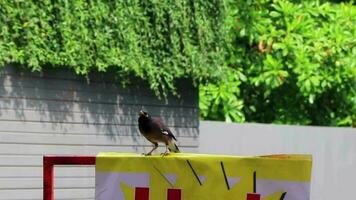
<point x="123" y="176"/>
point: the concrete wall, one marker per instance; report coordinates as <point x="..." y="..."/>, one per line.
<point x="57" y="112"/>
<point x="333" y="150"/>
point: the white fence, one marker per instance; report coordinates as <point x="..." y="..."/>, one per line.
<point x="333" y="150"/>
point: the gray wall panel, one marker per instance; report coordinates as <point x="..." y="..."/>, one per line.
<point x="57" y="112"/>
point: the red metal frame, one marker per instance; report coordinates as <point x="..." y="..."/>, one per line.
<point x="48" y="170"/>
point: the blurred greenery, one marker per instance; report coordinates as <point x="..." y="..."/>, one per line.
<point x="269" y="61"/>
<point x="290" y="62"/>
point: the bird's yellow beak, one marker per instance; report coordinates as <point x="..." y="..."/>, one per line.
<point x="141" y="113"/>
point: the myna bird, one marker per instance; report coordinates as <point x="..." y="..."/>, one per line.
<point x="155" y="131"/>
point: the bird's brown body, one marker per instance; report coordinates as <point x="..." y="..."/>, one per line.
<point x="155" y="131"/>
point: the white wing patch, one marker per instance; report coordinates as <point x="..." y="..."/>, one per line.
<point x="165" y="132"/>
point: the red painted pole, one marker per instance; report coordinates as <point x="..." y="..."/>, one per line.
<point x="48" y="174"/>
<point x="48" y="170"/>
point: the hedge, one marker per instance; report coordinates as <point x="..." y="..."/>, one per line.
<point x="270" y="61"/>
<point x="159" y="41"/>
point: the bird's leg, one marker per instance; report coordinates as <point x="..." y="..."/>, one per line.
<point x="166" y="152"/>
<point x="154" y="148"/>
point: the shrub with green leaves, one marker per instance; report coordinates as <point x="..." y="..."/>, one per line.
<point x="290" y="62"/>
<point x="271" y="61"/>
<point x="158" y="41"/>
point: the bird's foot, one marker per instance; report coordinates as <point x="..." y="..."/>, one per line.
<point x="164" y="154"/>
<point x="146" y="154"/>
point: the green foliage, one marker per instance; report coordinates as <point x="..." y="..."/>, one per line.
<point x="299" y="60"/>
<point x="272" y="61"/>
<point x="221" y="101"/>
<point x="158" y="41"/>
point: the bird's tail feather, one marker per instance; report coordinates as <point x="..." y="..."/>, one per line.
<point x="173" y="147"/>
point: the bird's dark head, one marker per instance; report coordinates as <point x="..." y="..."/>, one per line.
<point x="143" y="114"/>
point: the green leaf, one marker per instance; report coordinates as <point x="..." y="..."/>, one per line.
<point x="274" y="14"/>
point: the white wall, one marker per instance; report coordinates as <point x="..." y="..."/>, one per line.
<point x="333" y="150"/>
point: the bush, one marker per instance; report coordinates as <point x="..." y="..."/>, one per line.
<point x="158" y="41"/>
<point x="259" y="61"/>
<point x="290" y="63"/>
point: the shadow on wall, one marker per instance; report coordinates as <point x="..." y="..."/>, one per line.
<point x="58" y="101"/>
